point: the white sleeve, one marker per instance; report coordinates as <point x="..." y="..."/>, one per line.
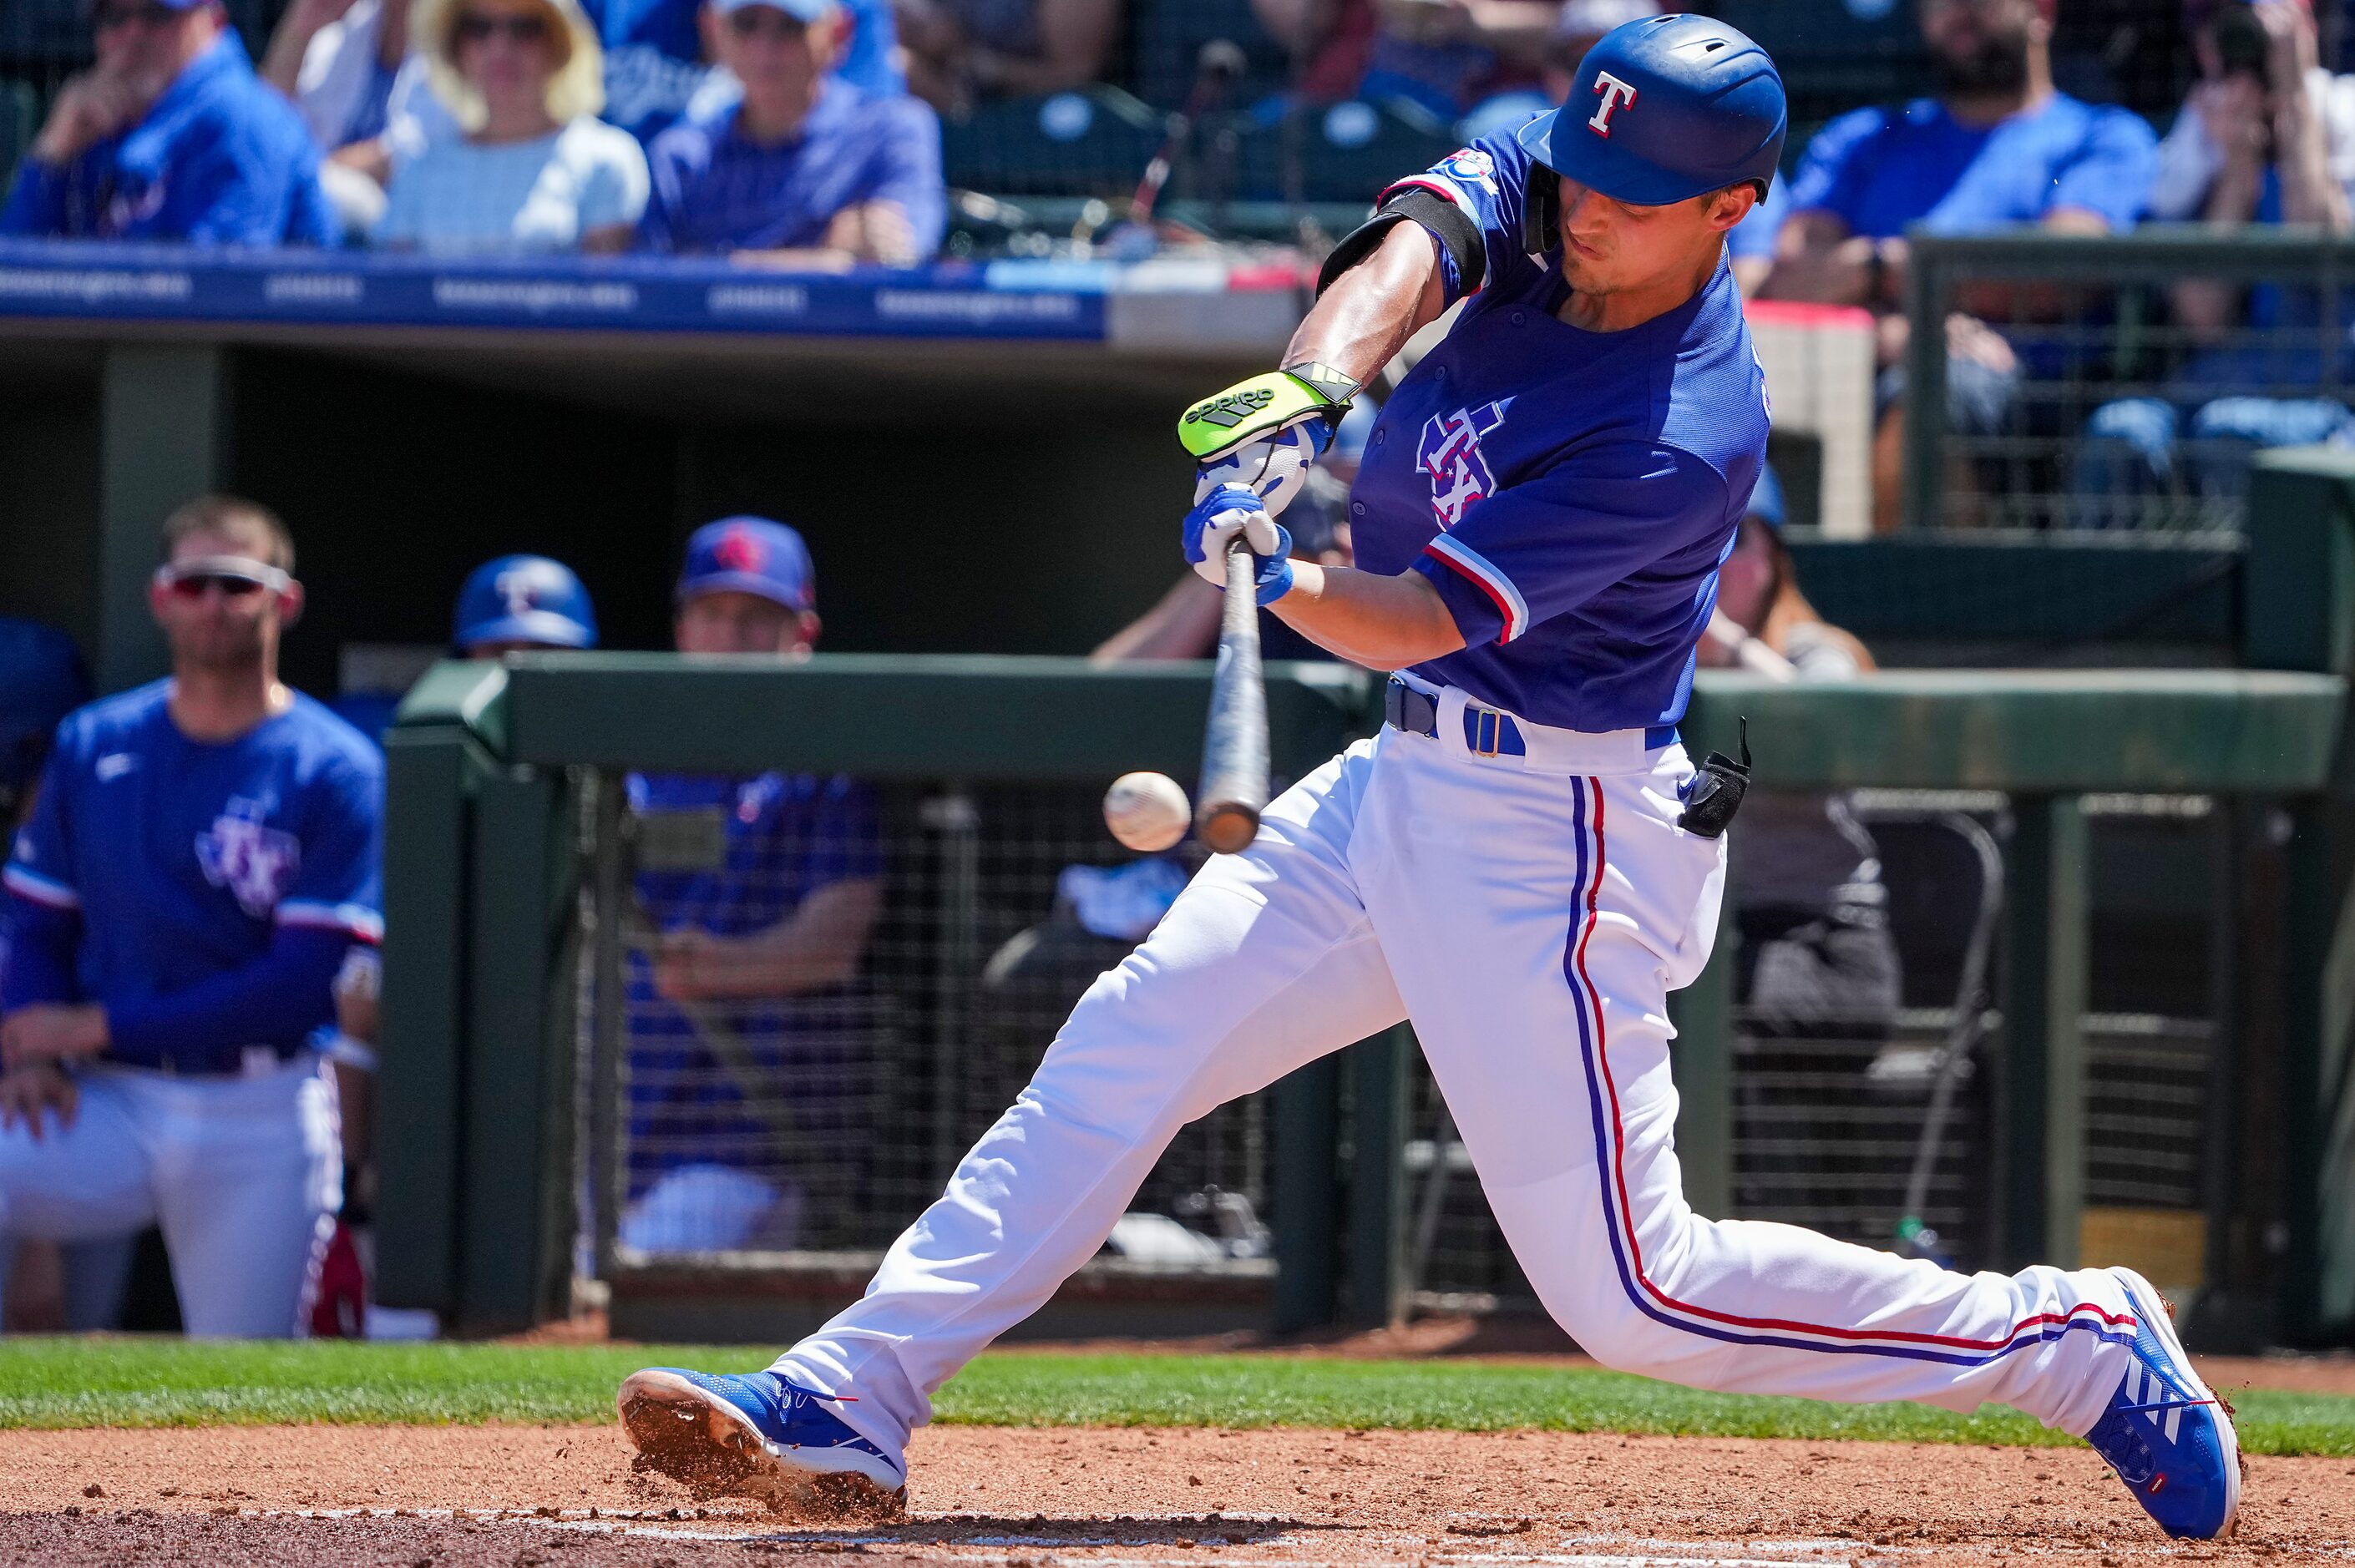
<point x="2188" y="162"/>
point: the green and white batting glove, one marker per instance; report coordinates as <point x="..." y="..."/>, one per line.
<point x="1266" y="432"/>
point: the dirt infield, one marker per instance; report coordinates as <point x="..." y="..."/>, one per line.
<point x="566" y="1497"/>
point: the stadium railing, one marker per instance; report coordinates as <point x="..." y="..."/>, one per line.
<point x="2128" y="1078"/>
<point x="2108" y="370"/>
<point x="542" y="1086"/>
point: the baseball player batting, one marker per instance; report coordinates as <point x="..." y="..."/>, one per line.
<point x="1523" y="862"/>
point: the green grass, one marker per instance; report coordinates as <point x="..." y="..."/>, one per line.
<point x="171" y="1383"/>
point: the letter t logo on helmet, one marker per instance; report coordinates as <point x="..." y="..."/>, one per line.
<point x="1615" y="94"/>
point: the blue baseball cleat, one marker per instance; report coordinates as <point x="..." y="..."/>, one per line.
<point x="761" y="1437"/>
<point x="2168" y="1436"/>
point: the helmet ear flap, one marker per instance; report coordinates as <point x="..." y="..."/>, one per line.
<point x="1541" y="211"/>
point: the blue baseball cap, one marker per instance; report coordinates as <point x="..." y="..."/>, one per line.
<point x="41" y="681"/>
<point x="749" y="555"/>
<point x="524" y="598"/>
<point x="1766" y="500"/>
<point x="799" y="10"/>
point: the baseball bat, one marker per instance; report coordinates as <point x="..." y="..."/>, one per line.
<point x="1235" y="746"/>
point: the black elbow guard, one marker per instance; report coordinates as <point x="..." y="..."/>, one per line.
<point x="1448" y="223"/>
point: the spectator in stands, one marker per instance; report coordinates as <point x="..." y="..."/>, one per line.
<point x="962" y="51"/>
<point x="337" y="61"/>
<point x="749" y="1065"/>
<point x="2266" y="136"/>
<point x="202" y="857"/>
<point x="533" y="170"/>
<point x="658" y="72"/>
<point x="1446" y="57"/>
<point x="170" y="136"/>
<point x="1997" y="147"/>
<point x="804" y="170"/>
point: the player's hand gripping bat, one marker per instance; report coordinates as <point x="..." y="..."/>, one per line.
<point x="1235" y="746"/>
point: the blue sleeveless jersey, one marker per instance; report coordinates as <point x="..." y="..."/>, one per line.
<point x="1570" y="493"/>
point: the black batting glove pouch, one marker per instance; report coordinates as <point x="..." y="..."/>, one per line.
<point x="1713" y="794"/>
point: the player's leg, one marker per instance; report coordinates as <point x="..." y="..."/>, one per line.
<point x="85" y="1182"/>
<point x="248" y="1173"/>
<point x="1536" y="948"/>
<point x="1263" y="963"/>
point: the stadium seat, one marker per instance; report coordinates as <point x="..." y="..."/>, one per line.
<point x="1095" y="142"/>
<point x="1166" y="39"/>
<point x="20" y="121"/>
<point x="1836" y="55"/>
<point x="1347" y="151"/>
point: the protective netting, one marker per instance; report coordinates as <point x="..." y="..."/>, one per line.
<point x="2138" y="401"/>
<point x="803" y="1113"/>
<point x="1849" y="1008"/>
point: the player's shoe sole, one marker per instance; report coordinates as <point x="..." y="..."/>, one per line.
<point x="713" y="1449"/>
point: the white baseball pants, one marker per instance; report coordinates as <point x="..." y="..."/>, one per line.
<point x="244" y="1174"/>
<point x="1531" y="916"/>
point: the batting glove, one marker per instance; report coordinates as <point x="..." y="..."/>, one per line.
<point x="1217" y="519"/>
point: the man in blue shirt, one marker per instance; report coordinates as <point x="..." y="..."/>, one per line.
<point x="1997" y="147"/>
<point x="749" y="1065"/>
<point x="804" y="169"/>
<point x="170" y="135"/>
<point x="656" y="72"/>
<point x="202" y="858"/>
<point x="1524" y="863"/>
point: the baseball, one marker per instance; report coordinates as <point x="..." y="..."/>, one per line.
<point x="1146" y="812"/>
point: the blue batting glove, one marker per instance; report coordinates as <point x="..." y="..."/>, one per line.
<point x="1217" y="518"/>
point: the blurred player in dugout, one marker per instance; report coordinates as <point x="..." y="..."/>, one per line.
<point x="749" y="1058"/>
<point x="202" y="858"/>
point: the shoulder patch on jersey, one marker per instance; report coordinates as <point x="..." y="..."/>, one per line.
<point x="1474" y="167"/>
<point x="255" y="861"/>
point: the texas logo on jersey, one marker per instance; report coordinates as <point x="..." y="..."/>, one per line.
<point x="1450" y="453"/>
<point x="255" y="861"/>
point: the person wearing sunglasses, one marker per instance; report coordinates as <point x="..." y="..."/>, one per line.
<point x="804" y="170"/>
<point x="169" y="136"/>
<point x="202" y="858"/>
<point x="533" y="171"/>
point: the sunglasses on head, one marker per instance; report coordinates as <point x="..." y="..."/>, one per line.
<point x="111" y="16"/>
<point x="474" y="28"/>
<point x="233" y="577"/>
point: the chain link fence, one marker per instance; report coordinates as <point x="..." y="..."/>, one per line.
<point x="2124" y="383"/>
<point x="773" y="1110"/>
<point x="1849" y="1014"/>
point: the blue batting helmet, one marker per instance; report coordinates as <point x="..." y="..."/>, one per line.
<point x="524" y="598"/>
<point x="1665" y="109"/>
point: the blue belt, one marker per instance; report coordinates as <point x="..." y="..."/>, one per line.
<point x="1486" y="733"/>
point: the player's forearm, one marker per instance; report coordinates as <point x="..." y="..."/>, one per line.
<point x="1370" y="311"/>
<point x="818" y="944"/>
<point x="1383" y="623"/>
<point x="276" y="1000"/>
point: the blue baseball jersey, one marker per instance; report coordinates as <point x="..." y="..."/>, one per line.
<point x="221" y="158"/>
<point x="1880" y="171"/>
<point x="179" y="861"/>
<point x="782" y="837"/>
<point x="1570" y="493"/>
<point x="715" y="191"/>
